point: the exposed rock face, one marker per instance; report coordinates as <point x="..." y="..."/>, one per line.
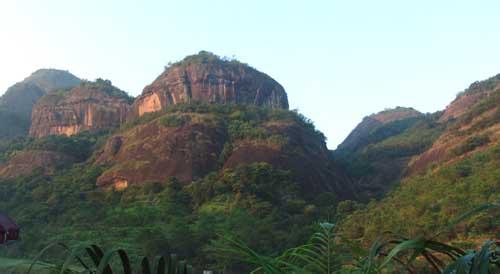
<point x="90" y="106"/>
<point x="208" y="79"/>
<point x="358" y="137"/>
<point x="26" y="162"/>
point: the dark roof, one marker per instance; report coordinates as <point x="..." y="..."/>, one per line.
<point x="7" y="223"/>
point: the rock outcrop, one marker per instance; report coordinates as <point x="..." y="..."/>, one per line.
<point x="206" y="78"/>
<point x="89" y="106"/>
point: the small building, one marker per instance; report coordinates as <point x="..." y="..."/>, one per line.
<point x="9" y="230"/>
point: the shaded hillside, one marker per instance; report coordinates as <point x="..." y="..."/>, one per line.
<point x="190" y="141"/>
<point x="48" y="155"/>
<point x="377" y="152"/>
<point x="207" y="78"/>
<point x="17" y="102"/>
<point x="12" y="125"/>
<point x="371" y="129"/>
<point x="89" y="106"/>
<point x="21" y="97"/>
<point x="460" y="170"/>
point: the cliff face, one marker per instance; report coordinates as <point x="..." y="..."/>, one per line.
<point x="206" y="78"/>
<point x="90" y="106"/>
<point x="189" y="143"/>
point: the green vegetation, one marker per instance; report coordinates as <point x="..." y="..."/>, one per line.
<point x="241" y="122"/>
<point x="379" y="163"/>
<point x="80" y="146"/>
<point x="107" y="87"/>
<point x="175" y="120"/>
<point x="256" y="203"/>
<point x="489" y="103"/>
<point x="206" y="57"/>
<point x="257" y="209"/>
<point x="424" y="203"/>
<point x="471" y="143"/>
<point x="411" y="141"/>
<point x="328" y="252"/>
<point x="12" y="125"/>
<point x="93" y="259"/>
<point x="481" y="86"/>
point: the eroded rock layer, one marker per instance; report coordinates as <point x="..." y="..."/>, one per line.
<point x="90" y="106"/>
<point x="206" y="78"/>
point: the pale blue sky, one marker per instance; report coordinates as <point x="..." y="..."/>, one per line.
<point x="338" y="60"/>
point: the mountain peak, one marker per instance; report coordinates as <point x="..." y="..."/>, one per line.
<point x="50" y="79"/>
<point x="393" y="114"/>
<point x="208" y="78"/>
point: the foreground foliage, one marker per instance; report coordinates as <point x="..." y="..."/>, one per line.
<point x="326" y="253"/>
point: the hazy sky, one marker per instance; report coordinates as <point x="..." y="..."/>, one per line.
<point x="338" y="60"/>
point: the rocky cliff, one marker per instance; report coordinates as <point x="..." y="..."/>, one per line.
<point x="89" y="106"/>
<point x="206" y="78"/>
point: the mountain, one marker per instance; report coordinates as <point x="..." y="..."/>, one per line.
<point x="190" y="141"/>
<point x="222" y="155"/>
<point x="21" y="97"/>
<point x="207" y="78"/>
<point x="372" y="129"/>
<point x="17" y="102"/>
<point x="210" y="148"/>
<point x="89" y="106"/>
<point x="459" y="169"/>
<point x="377" y="152"/>
<point x="472" y="121"/>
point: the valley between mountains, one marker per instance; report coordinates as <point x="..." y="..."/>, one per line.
<point x="211" y="148"/>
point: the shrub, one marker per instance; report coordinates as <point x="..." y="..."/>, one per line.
<point x="470" y="144"/>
